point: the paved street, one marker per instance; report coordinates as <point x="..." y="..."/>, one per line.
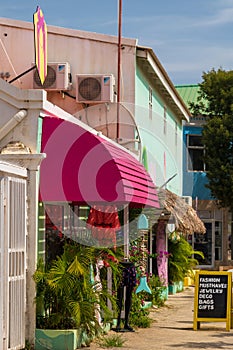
<point x="173" y="328"/>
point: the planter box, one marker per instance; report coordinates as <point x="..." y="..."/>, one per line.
<point x="164" y="294"/>
<point x="58" y="339"/>
<point x="187" y="281"/>
<point x="179" y="286"/>
<point x="172" y="289"/>
<point x="147" y="305"/>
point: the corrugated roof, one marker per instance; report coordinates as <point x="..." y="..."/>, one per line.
<point x="189" y="93"/>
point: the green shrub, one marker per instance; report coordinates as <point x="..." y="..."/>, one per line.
<point x="181" y="259"/>
<point x="139" y="317"/>
<point x="157" y="290"/>
<point x="65" y="294"/>
<point x="112" y="341"/>
<point x="28" y="345"/>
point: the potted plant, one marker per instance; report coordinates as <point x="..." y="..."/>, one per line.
<point x="151" y="293"/>
<point x="67" y="301"/>
<point x="180" y="262"/>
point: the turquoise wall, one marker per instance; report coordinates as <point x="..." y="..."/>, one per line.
<point x="163" y="149"/>
<point x="194" y="182"/>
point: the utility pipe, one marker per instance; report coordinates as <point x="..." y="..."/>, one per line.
<point x="119" y="71"/>
<point x="11" y="124"/>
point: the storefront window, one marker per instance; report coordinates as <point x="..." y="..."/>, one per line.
<point x="230" y="235"/>
<point x="210" y="243"/>
<point x="218" y="240"/>
<point x="54" y="225"/>
<point x="78" y="218"/>
<point x="203" y="243"/>
<point x="64" y="223"/>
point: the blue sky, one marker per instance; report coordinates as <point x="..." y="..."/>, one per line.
<point x="188" y="37"/>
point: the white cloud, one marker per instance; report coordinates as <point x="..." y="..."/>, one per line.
<point x="222" y="17"/>
<point x="173" y="23"/>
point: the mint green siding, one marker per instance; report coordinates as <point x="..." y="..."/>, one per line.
<point x="160" y="136"/>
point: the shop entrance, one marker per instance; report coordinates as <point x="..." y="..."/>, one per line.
<point x="209" y="243"/>
<point x="204" y="243"/>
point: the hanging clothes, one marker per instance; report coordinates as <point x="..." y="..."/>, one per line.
<point x="104" y="221"/>
<point x="129" y="276"/>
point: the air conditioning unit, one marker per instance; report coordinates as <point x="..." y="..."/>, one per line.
<point x="58" y="77"/>
<point x="188" y="200"/>
<point x="92" y="88"/>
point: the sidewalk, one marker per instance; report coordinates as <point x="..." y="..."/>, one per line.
<point x="173" y="329"/>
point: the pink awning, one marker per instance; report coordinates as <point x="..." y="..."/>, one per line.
<point x="85" y="168"/>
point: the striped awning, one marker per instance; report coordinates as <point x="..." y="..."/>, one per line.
<point x="83" y="167"/>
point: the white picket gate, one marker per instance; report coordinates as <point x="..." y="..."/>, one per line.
<point x="12" y="262"/>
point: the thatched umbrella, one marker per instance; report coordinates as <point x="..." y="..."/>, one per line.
<point x="174" y="208"/>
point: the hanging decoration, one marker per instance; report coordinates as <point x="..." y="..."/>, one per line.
<point x="103" y="221"/>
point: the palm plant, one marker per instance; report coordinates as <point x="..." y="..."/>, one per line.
<point x="66" y="297"/>
<point x="181" y="259"/>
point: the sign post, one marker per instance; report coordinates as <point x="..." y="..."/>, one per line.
<point x="40" y="34"/>
<point x="212" y="302"/>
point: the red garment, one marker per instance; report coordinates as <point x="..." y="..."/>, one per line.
<point x="103" y="222"/>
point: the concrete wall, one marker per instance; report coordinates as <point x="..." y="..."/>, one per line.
<point x="87" y="53"/>
<point x="92" y="53"/>
<point x="12" y="128"/>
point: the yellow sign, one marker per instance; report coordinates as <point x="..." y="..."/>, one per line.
<point x="40" y="35"/>
<point x="212" y="302"/>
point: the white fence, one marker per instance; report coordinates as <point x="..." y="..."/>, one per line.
<point x="12" y="262"/>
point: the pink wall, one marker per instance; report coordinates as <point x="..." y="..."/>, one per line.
<point x="161" y="247"/>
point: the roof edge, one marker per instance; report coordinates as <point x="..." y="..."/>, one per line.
<point x="164" y="78"/>
<point x="70" y="32"/>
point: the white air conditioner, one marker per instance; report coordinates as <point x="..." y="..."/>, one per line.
<point x="92" y="88"/>
<point x="188" y="200"/>
<point x="58" y="77"/>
